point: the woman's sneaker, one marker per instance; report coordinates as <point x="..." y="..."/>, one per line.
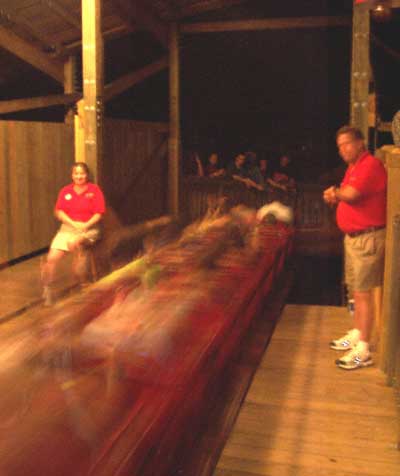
<point x="355" y="358"/>
<point x="350" y="306"/>
<point x="346" y="342"/>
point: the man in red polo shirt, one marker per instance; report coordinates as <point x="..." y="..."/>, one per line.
<point x="361" y="215"/>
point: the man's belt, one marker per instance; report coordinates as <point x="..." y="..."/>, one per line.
<point x="366" y="230"/>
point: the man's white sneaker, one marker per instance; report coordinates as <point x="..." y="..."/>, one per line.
<point x="346" y="342"/>
<point x="355" y="358"/>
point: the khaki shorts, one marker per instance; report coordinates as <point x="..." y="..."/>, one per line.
<point x="67" y="233"/>
<point x="364" y="260"/>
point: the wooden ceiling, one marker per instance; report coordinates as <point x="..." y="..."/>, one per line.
<point x="50" y="30"/>
<point x="38" y="36"/>
<point x="54" y="26"/>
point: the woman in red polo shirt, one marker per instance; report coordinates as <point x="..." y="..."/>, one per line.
<point x="80" y="207"/>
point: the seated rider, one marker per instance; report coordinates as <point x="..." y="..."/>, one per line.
<point x="238" y="172"/>
<point x="80" y="207"/>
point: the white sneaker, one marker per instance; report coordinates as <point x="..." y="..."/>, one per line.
<point x="350" y="307"/>
<point x="355" y="358"/>
<point x="346" y="342"/>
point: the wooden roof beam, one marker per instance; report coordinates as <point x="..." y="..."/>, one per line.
<point x="266" y="24"/>
<point x="206" y="6"/>
<point x="139" y="15"/>
<point x="62" y="12"/>
<point x="26" y="104"/>
<point x="127" y="81"/>
<point x="28" y="53"/>
<point x="13" y="22"/>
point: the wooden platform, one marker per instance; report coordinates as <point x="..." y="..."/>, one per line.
<point x="22" y="288"/>
<point x="304" y="417"/>
<point x="301" y="417"/>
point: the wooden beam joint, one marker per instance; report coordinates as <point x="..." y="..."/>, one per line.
<point x="28" y="53"/>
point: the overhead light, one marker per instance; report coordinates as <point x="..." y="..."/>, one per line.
<point x="381" y="10"/>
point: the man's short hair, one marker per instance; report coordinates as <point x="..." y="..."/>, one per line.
<point x="354" y="131"/>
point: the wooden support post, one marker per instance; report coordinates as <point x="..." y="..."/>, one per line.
<point x="69" y="75"/>
<point x="174" y="119"/>
<point x="5" y="238"/>
<point x="378" y="322"/>
<point x="79" y="132"/>
<point x="69" y="85"/>
<point x="390" y="340"/>
<point x="93" y="82"/>
<point x="360" y="68"/>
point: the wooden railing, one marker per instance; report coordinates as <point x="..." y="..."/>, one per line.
<point x="153" y="342"/>
<point x="316" y="230"/>
<point x="389" y="350"/>
<point x="200" y="194"/>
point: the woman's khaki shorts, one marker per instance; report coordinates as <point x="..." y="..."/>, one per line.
<point x="364" y="260"/>
<point x="67" y="233"/>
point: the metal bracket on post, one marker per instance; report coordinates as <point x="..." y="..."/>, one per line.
<point x="99" y="111"/>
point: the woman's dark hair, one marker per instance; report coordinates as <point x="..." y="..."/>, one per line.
<point x="83" y="165"/>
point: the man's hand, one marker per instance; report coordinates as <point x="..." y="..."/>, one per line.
<point x="248" y="182"/>
<point x="329" y="196"/>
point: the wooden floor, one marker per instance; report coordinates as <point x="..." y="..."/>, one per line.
<point x="301" y="417"/>
<point x="304" y="417"/>
<point x="22" y="288"/>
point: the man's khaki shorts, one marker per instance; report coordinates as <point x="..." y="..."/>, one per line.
<point x="364" y="260"/>
<point x="67" y="233"/>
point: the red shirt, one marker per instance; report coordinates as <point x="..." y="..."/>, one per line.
<point x="81" y="207"/>
<point x="367" y="176"/>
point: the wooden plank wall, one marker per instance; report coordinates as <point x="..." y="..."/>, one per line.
<point x="135" y="169"/>
<point x="35" y="161"/>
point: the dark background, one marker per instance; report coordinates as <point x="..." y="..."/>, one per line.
<point x="275" y="92"/>
<point x="270" y="91"/>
